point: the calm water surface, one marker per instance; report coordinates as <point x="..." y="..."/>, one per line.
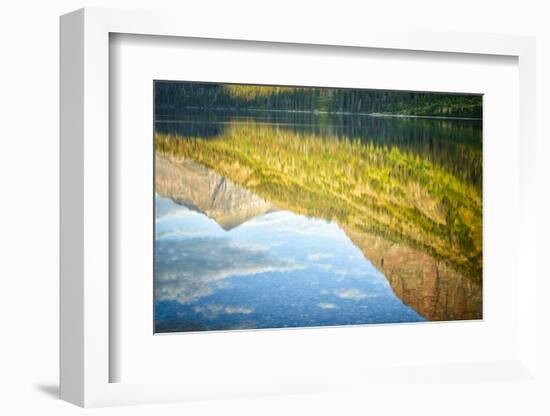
<point x="451" y="143"/>
<point x="277" y="270"/>
<point x="227" y="259"/>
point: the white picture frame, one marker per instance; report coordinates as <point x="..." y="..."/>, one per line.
<point x="85" y="219"/>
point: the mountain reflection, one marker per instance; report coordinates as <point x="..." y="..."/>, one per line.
<point x="288" y="223"/>
<point x="279" y="269"/>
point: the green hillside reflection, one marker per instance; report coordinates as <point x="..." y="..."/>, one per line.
<point x="415" y="219"/>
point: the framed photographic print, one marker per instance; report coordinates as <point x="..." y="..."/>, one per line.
<point x="282" y="207"/>
<point x="274" y="213"/>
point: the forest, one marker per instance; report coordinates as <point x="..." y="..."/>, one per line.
<point x="173" y="98"/>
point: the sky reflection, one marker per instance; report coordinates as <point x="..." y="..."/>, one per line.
<point x="277" y="270"/>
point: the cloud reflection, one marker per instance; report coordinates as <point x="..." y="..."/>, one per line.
<point x="214" y="309"/>
<point x="279" y="269"/>
<point x="353" y="294"/>
<point x="327" y="305"/>
<point x="192" y="268"/>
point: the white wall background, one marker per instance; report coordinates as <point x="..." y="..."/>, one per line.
<point x="29" y="114"/>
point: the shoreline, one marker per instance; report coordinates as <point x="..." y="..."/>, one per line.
<point x="337" y="113"/>
<point x="417" y="116"/>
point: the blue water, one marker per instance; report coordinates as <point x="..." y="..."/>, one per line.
<point x="277" y="270"/>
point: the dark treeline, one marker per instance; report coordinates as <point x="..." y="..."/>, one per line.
<point x="173" y="98"/>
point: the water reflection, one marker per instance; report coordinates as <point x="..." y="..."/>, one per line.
<point x="326" y="220"/>
<point x="276" y="270"/>
<point x="451" y="143"/>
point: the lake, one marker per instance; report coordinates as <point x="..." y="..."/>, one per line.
<point x="276" y="219"/>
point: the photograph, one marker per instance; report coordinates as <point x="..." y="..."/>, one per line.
<point x="293" y="206"/>
<point x="235" y="208"/>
